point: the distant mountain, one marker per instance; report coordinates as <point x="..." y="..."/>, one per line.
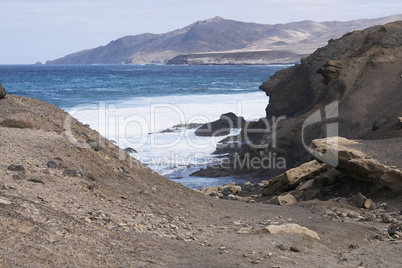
<point x="219" y="35"/>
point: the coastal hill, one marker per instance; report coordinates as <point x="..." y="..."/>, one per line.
<point x="219" y="35"/>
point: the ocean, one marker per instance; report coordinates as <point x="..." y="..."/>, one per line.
<point x="133" y="104"/>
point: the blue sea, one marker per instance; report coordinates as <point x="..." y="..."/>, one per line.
<point x="131" y="104"/>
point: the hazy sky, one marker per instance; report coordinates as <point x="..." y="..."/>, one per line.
<point x="40" y="30"/>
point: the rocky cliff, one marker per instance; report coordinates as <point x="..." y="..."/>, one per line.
<point x="215" y="35"/>
<point x="358" y="75"/>
<point x="351" y="88"/>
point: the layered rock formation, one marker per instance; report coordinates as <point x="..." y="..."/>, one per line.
<point x="350" y="88"/>
<point x="359" y="75"/>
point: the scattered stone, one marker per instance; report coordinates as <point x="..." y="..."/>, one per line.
<point x="36" y="181"/>
<point x="286" y="200"/>
<point x="357" y="200"/>
<point x="395" y="229"/>
<point x="16" y="168"/>
<point x="231" y="190"/>
<point x="125" y="169"/>
<point x="353" y="215"/>
<point x="69" y="173"/>
<point x="243" y="231"/>
<point x="281" y="247"/>
<point x="386" y="218"/>
<point x="308" y="184"/>
<point x="288" y="228"/>
<point x="17" y="178"/>
<point x="51" y="164"/>
<point x="369" y="204"/>
<point x="94" y="145"/>
<point x="294" y="249"/>
<point x="3" y="92"/>
<point x="4" y="201"/>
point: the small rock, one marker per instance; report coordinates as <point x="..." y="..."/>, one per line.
<point x="16" y="177"/>
<point x="281" y="247"/>
<point x="369" y="204"/>
<point x="4" y="201"/>
<point x="125" y="169"/>
<point x="352" y="215"/>
<point x="51" y="164"/>
<point x="222" y="248"/>
<point x="94" y="145"/>
<point x="306" y="185"/>
<point x="286" y="200"/>
<point x="386" y="218"/>
<point x="357" y="200"/>
<point x="288" y="228"/>
<point x="36" y="181"/>
<point x="294" y="249"/>
<point x="70" y="173"/>
<point x="395" y="229"/>
<point x="16" y="168"/>
<point x="243" y="231"/>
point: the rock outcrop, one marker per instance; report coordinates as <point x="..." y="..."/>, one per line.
<point x="222" y="126"/>
<point x="364" y="169"/>
<point x="343" y="89"/>
<point x="358" y="165"/>
<point x="3" y="92"/>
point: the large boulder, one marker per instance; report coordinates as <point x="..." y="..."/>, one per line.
<point x="222" y="126"/>
<point x="3" y="92"/>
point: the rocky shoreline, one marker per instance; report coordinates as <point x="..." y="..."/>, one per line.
<point x="71" y="198"/>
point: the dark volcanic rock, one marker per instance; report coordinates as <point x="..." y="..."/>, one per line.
<point x="16" y="168"/>
<point x="354" y="83"/>
<point x="221" y="126"/>
<point x="3" y="92"/>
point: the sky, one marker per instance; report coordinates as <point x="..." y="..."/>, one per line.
<point x="41" y="30"/>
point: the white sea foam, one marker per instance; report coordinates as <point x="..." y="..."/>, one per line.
<point x="129" y="122"/>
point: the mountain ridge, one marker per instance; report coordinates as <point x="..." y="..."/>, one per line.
<point x="217" y="35"/>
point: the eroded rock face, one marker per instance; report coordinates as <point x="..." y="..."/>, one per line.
<point x="3" y="92"/>
<point x="360" y="72"/>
